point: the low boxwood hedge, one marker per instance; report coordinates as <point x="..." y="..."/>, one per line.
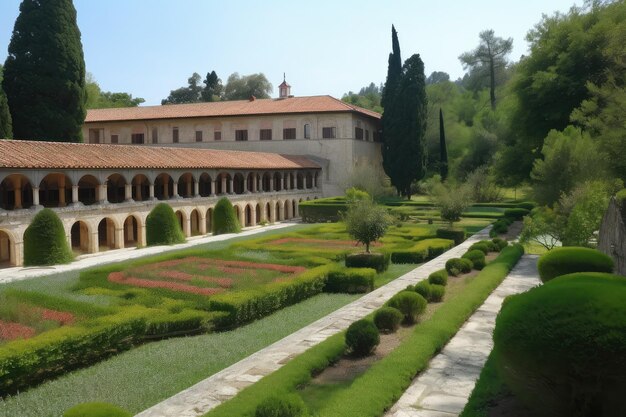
<point x="561" y="347"/>
<point x="377" y="261"/>
<point x="350" y="280"/>
<point x="516" y="213"/>
<point x="456" y="235"/>
<point x="96" y="409"/>
<point x="162" y="227"/>
<point x="422" y="251"/>
<point x="567" y="260"/>
<point x="477" y="257"/>
<point x="45" y="242"/>
<point x="321" y="212"/>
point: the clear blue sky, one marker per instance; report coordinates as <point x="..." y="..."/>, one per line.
<point x="149" y="47"/>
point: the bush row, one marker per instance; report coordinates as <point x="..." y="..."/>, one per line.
<point x="314" y="212"/>
<point x="376" y="261"/>
<point x="567" y="260"/>
<point x="456" y="235"/>
<point x="352" y="280"/>
<point x="421" y="251"/>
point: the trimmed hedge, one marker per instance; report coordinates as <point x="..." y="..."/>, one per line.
<point x="409" y="303"/>
<point x="362" y="338"/>
<point x="477" y="257"/>
<point x="456" y="266"/>
<point x="321" y="212"/>
<point x="500" y="243"/>
<point x="422" y="251"/>
<point x="528" y="205"/>
<point x="283" y="406"/>
<point x="436" y="293"/>
<point x="500" y="227"/>
<point x="388" y="319"/>
<point x="96" y="409"/>
<point x="456" y="235"/>
<point x="377" y="261"/>
<point x="252" y="304"/>
<point x="225" y="218"/>
<point x="45" y="242"/>
<point x="567" y="260"/>
<point x="439" y="277"/>
<point x="350" y="280"/>
<point x="561" y="347"/>
<point x="481" y="246"/>
<point x="162" y="227"/>
<point x="516" y="213"/>
<point x="423" y="289"/>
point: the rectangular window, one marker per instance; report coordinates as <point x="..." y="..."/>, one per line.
<point x="155" y="135"/>
<point x="307" y="131"/>
<point x="329" y="132"/>
<point x="96" y="135"/>
<point x="175" y="135"/>
<point x="198" y="135"/>
<point x="217" y="135"/>
<point x="367" y="135"/>
<point x="289" y="133"/>
<point x="136" y="138"/>
<point x="265" y="134"/>
<point x="358" y="133"/>
<point x="114" y="139"/>
<point x="241" y="135"/>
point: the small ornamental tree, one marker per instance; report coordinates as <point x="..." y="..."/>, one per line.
<point x="366" y="222"/>
<point x="162" y="227"/>
<point x="452" y="201"/>
<point x="45" y="242"/>
<point x="224" y="218"/>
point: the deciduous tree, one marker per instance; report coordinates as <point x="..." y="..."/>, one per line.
<point x="242" y="87"/>
<point x="189" y="94"/>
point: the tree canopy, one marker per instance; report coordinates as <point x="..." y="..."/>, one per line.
<point x="44" y="73"/>
<point x="98" y="99"/>
<point x="242" y="87"/>
<point x="192" y="93"/>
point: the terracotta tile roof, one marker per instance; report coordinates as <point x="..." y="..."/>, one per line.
<point x="61" y="155"/>
<point x="314" y="104"/>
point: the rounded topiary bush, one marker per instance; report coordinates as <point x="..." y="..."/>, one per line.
<point x="567" y="260"/>
<point x="561" y="347"/>
<point x="477" y="257"/>
<point x="224" y="218"/>
<point x="284" y="406"/>
<point x="423" y="289"/>
<point x="410" y="304"/>
<point x="481" y="246"/>
<point x="162" y="227"/>
<point x="501" y="243"/>
<point x="439" y="277"/>
<point x="388" y="319"/>
<point x="436" y="293"/>
<point x="362" y="337"/>
<point x="456" y="266"/>
<point x="45" y="242"/>
<point x="96" y="409"/>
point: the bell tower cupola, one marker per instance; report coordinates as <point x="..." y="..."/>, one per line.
<point x="284" y="90"/>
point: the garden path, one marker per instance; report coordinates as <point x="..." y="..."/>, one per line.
<point x="444" y="388"/>
<point x="220" y="387"/>
<point x="118" y="255"/>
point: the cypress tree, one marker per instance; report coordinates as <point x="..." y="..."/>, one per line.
<point x="6" y="128"/>
<point x="394" y="69"/>
<point x="443" y="149"/>
<point x="44" y="74"/>
<point x="404" y="153"/>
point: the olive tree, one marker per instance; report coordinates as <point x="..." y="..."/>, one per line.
<point x="366" y="222"/>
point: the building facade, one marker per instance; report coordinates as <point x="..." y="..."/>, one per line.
<point x="338" y="136"/>
<point x="103" y="193"/>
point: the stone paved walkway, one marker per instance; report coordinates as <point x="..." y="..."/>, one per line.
<point x="220" y="387"/>
<point x="118" y="255"/>
<point x="444" y="388"/>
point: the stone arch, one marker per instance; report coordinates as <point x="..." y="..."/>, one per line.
<point x="116" y="188"/>
<point x="238" y="183"/>
<point x="266" y="182"/>
<point x="257" y="214"/>
<point x="185" y="185"/>
<point x="209" y="220"/>
<point x="16" y="192"/>
<point x="277" y="181"/>
<point x="269" y="215"/>
<point x="223" y="183"/>
<point x="8" y="252"/>
<point x="55" y="190"/>
<point x="181" y="216"/>
<point x="106" y="234"/>
<point x="316" y="179"/>
<point x="300" y="181"/>
<point x="279" y="210"/>
<point x="205" y="185"/>
<point x="249" y="216"/>
<point x="309" y="180"/>
<point x="294" y="209"/>
<point x="287" y="210"/>
<point x="88" y="189"/>
<point x="163" y="186"/>
<point x="239" y="213"/>
<point x="132" y="231"/>
<point x="194" y="222"/>
<point x="141" y="187"/>
<point x="80" y="237"/>
<point x="250" y="182"/>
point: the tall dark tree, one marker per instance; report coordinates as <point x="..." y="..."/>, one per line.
<point x="213" y="88"/>
<point x="404" y="151"/>
<point x="6" y="127"/>
<point x="394" y="69"/>
<point x="488" y="57"/>
<point x="443" y="149"/>
<point x="44" y="74"/>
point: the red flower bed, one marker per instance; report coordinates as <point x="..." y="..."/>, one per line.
<point x="61" y="317"/>
<point x="12" y="331"/>
<point x="183" y="276"/>
<point x="119" y="278"/>
<point x="231" y="270"/>
<point x="287" y="269"/>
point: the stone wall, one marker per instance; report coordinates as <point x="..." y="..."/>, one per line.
<point x="612" y="236"/>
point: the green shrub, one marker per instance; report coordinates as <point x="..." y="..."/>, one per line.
<point x="423" y="289"/>
<point x="421" y="251"/>
<point x="456" y="266"/>
<point x="409" y="256"/>
<point x="439" y="277"/>
<point x="457" y="235"/>
<point x="567" y="260"/>
<point x="162" y="227"/>
<point x="351" y="280"/>
<point x="501" y="243"/>
<point x="45" y="242"/>
<point x="377" y="261"/>
<point x="436" y="293"/>
<point x="96" y="409"/>
<point x="527" y="205"/>
<point x="481" y="246"/>
<point x="388" y="319"/>
<point x="500" y="227"/>
<point x="477" y="257"/>
<point x="283" y="406"/>
<point x="321" y="212"/>
<point x="410" y="304"/>
<point x="561" y="347"/>
<point x="362" y="337"/>
<point x="225" y="218"/>
<point x="516" y="213"/>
